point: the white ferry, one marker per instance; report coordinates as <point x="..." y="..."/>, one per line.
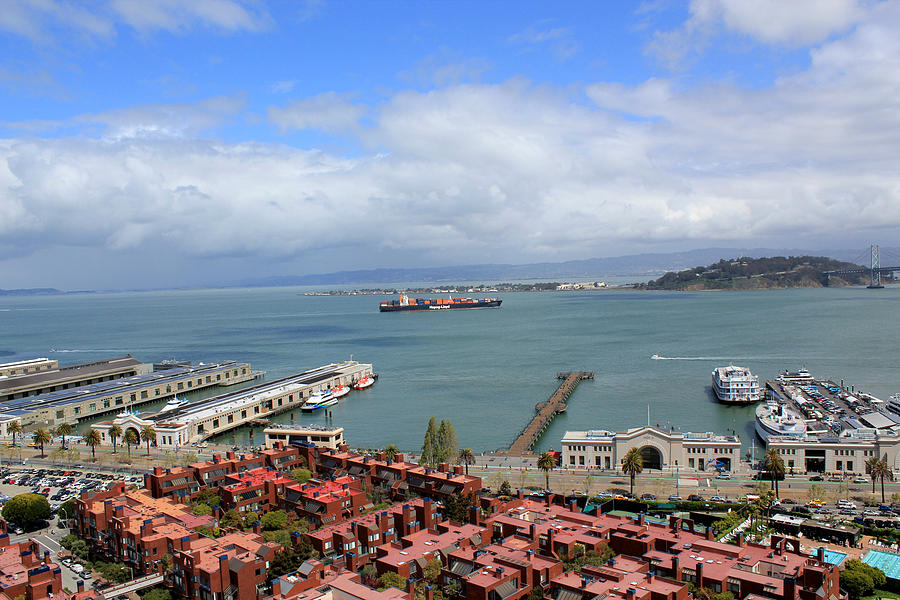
<point x="735" y="385"/>
<point x="317" y="401"/>
<point x="777" y="419"/>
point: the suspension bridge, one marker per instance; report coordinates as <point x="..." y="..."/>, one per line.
<point x="875" y="270"/>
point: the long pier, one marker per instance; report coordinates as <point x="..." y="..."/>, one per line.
<point x="546" y="412"/>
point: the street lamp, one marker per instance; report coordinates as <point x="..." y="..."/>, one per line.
<point x="677" y="493"/>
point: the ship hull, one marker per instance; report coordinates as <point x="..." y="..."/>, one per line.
<point x="451" y="306"/>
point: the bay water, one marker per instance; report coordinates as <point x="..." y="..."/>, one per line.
<point x="485" y="370"/>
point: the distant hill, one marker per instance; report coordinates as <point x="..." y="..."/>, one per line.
<point x="640" y="266"/>
<point x="758" y="273"/>
<point x="32" y="292"/>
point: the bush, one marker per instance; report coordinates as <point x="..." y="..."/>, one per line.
<point x="202" y="509"/>
<point x="301" y="475"/>
<point x="859" y="579"/>
<point x="26" y="508"/>
<point x="232" y="518"/>
<point x="157" y="594"/>
<point x="276" y="519"/>
<point x="391" y="579"/>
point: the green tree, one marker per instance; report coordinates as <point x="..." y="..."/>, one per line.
<point x="232" y="518"/>
<point x="130" y="438"/>
<point x="774" y="464"/>
<point x="157" y="594"/>
<point x="92" y="439"/>
<point x="633" y="464"/>
<point x="432" y="570"/>
<point x="505" y="488"/>
<point x="276" y="519"/>
<point x="546" y="463"/>
<point x="466" y="457"/>
<point x="66" y="510"/>
<point x="856" y="583"/>
<point x="390" y="451"/>
<point x="41" y="437"/>
<point x="63" y="429"/>
<point x="208" y="496"/>
<point x="14" y="428"/>
<point x="202" y="509"/>
<point x="115" y="432"/>
<point x="882" y="471"/>
<point x="77" y="546"/>
<point x="250" y="518"/>
<point x="148" y="434"/>
<point x="301" y="475"/>
<point x="26" y="508"/>
<point x="391" y="579"/>
<point x="447" y="443"/>
<point x="430" y="448"/>
<point x="456" y="506"/>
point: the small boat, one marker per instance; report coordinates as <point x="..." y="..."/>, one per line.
<point x="318" y="401"/>
<point x="363" y="383"/>
<point x="339" y="391"/>
<point x="172" y="405"/>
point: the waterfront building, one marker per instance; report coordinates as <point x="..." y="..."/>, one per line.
<point x="317" y="435"/>
<point x="40" y="378"/>
<point x="27" y="367"/>
<point x="660" y="449"/>
<point x="325" y="502"/>
<point x="836" y="454"/>
<point x="233" y="566"/>
<point x="132" y="527"/>
<point x="258" y="490"/>
<point x="27" y="571"/>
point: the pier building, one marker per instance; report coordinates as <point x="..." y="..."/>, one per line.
<point x="41" y="380"/>
<point x="114" y="394"/>
<point x="197" y="421"/>
<point x="318" y="435"/>
<point x="26" y="367"/>
<point x="660" y="449"/>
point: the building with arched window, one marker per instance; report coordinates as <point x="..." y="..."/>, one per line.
<point x="660" y="450"/>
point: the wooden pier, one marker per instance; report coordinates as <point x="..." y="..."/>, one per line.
<point x="546" y="412"/>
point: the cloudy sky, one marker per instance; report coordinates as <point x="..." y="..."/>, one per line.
<point x="148" y="143"/>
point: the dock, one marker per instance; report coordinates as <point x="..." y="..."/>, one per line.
<point x="545" y="412"/>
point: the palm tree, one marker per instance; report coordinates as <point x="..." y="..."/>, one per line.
<point x="881" y="471"/>
<point x="92" y="439"/>
<point x="632" y="464"/>
<point x="148" y="434"/>
<point x="546" y="463"/>
<point x="130" y="437"/>
<point x="775" y="466"/>
<point x="14" y="428"/>
<point x="871" y="463"/>
<point x="63" y="429"/>
<point x="41" y="437"/>
<point x="115" y="432"/>
<point x="467" y="457"/>
<point x="390" y="451"/>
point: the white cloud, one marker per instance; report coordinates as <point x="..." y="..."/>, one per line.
<point x="33" y="18"/>
<point x="796" y="23"/>
<point x="482" y="172"/>
<point x="326" y="112"/>
<point x="561" y="40"/>
<point x="282" y="87"/>
<point x="179" y="16"/>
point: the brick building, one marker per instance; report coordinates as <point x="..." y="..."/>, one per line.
<point x="232" y="567"/>
<point x="259" y="490"/>
<point x="26" y="571"/>
<point x="326" y="502"/>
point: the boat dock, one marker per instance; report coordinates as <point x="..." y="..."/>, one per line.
<point x="546" y="412"/>
<point x="198" y="421"/>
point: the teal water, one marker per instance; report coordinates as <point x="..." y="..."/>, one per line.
<point x="486" y="369"/>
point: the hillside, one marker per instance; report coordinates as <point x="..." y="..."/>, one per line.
<point x="758" y="273"/>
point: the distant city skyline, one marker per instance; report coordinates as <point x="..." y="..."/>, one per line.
<point x="164" y="143"/>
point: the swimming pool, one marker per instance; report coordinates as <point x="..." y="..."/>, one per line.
<point x="834" y="558"/>
<point x="886" y="561"/>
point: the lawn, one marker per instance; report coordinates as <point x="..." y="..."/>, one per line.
<point x="881" y="594"/>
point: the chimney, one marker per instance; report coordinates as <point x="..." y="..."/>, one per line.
<point x="740" y="539"/>
<point x="157" y="470"/>
<point x="230" y="455"/>
<point x="458" y="470"/>
<point x="429" y="592"/>
<point x="398" y="458"/>
<point x="428" y="517"/>
<point x="411" y="589"/>
<point x="820" y="554"/>
<point x="709" y="534"/>
<point x="79" y="585"/>
<point x="257" y="527"/>
<point x="629" y="593"/>
<point x="790" y="588"/>
<point x="699" y="574"/>
<point x="380" y="456"/>
<point x="532" y="531"/>
<point x="573" y="506"/>
<point x="474" y="515"/>
<point x="640" y="519"/>
<point x="676" y="569"/>
<point x="520" y="494"/>
<point x="443" y="467"/>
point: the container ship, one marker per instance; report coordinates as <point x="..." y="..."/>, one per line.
<point x="407" y="303"/>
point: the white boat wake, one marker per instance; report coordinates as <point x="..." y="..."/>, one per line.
<point x="716" y="358"/>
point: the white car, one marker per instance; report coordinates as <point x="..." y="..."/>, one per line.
<point x="845" y="504"/>
<point x="77" y="568"/>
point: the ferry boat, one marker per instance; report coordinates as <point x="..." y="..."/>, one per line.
<point x="363" y="383"/>
<point x="735" y="385"/>
<point x="775" y="419"/>
<point x="172" y="405"/>
<point x="406" y="303"/>
<point x="318" y="401"/>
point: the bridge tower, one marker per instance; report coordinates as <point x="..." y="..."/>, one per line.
<point x="875" y="276"/>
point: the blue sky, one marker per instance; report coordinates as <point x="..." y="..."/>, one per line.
<point x="147" y="144"/>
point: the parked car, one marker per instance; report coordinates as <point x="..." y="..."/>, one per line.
<point x="787" y="501"/>
<point x="817" y="478"/>
<point x="860" y="480"/>
<point x="648" y="497"/>
<point x="695" y="498"/>
<point x="719" y="499"/>
<point x="675" y="498"/>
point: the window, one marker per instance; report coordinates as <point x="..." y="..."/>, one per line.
<point x="571" y="460"/>
<point x="231" y="418"/>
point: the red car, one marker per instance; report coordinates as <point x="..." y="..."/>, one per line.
<point x="786" y="501"/>
<point x="45" y="492"/>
